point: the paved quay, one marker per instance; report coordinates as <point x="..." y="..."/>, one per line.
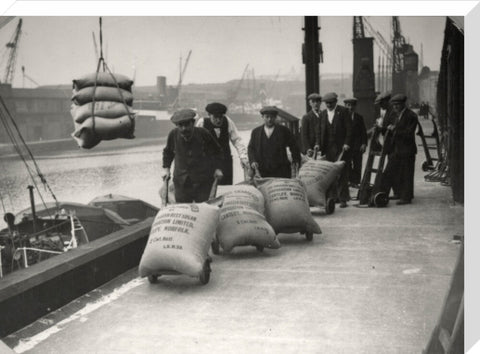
<point x="373" y="282"/>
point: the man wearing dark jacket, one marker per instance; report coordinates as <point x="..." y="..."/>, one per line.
<point x="267" y="149"/>
<point x="198" y="158"/>
<point x="400" y="168"/>
<point x="310" y="125"/>
<point x="359" y="142"/>
<point x="335" y="140"/>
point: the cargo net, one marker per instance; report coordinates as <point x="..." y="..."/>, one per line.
<point x="102" y="105"/>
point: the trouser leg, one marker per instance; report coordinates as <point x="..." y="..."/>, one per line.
<point x="201" y="191"/>
<point x="406" y="180"/>
<point x="356" y="170"/>
<point x="183" y="191"/>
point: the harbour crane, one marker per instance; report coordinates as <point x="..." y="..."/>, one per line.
<point x="234" y="95"/>
<point x="25" y="76"/>
<point x="180" y="80"/>
<point x="12" y="47"/>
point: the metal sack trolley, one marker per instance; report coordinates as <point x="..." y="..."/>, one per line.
<point x="371" y="194"/>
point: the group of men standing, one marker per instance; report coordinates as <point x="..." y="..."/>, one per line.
<point x="202" y="153"/>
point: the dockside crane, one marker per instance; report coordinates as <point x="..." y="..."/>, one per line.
<point x="12" y="47"/>
<point x="386" y="66"/>
<point x="176" y="102"/>
<point x="235" y="93"/>
<point x="25" y="76"/>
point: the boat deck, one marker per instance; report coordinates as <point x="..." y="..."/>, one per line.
<point x="373" y="282"/>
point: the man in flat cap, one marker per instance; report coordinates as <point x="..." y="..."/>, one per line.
<point x="335" y="140"/>
<point x="223" y="130"/>
<point x="267" y="149"/>
<point x="310" y="125"/>
<point x="197" y="155"/>
<point x="400" y="169"/>
<point x="359" y="142"/>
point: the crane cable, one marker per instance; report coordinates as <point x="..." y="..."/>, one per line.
<point x="101" y="61"/>
<point x="4" y="114"/>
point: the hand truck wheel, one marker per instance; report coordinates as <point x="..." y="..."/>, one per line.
<point x="205" y="275"/>
<point x="259" y="248"/>
<point x="380" y="200"/>
<point x="330" y="206"/>
<point x="425" y="166"/>
<point x="215" y="246"/>
<point x="309" y="236"/>
<point x="153" y="278"/>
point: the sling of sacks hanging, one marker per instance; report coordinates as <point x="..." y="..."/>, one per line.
<point x="318" y="176"/>
<point x="242" y="220"/>
<point x="286" y="205"/>
<point x="179" y="239"/>
<point x="101" y="108"/>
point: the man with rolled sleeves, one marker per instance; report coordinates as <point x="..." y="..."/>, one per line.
<point x="198" y="158"/>
<point x="400" y="168"/>
<point x="267" y="149"/>
<point x="359" y="142"/>
<point x="224" y="131"/>
<point x="335" y="140"/>
<point x="310" y="125"/>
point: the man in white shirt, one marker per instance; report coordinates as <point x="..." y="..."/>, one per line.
<point x="224" y="131"/>
<point x="335" y="139"/>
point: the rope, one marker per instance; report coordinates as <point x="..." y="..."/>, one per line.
<point x="4" y="112"/>
<point x="105" y="67"/>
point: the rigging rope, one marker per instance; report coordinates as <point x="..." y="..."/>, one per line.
<point x="4" y="114"/>
<point x="105" y="67"/>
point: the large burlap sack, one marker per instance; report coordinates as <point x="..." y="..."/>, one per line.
<point x="242" y="221"/>
<point x="87" y="136"/>
<point x="179" y="240"/>
<point x="103" y="109"/>
<point x="102" y="93"/>
<point x="318" y="176"/>
<point x="286" y="205"/>
<point x="103" y="79"/>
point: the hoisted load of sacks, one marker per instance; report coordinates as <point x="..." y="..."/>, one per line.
<point x="318" y="177"/>
<point x="286" y="206"/>
<point x="179" y="241"/>
<point x="242" y="220"/>
<point x="101" y="108"/>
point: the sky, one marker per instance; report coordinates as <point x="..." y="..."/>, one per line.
<point x="57" y="49"/>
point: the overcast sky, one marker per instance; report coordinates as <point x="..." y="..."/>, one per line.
<point x="54" y="50"/>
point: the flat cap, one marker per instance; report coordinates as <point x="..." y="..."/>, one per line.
<point x="183" y="115"/>
<point x="269" y="109"/>
<point x="330" y="97"/>
<point x="350" y="100"/>
<point x="399" y="97"/>
<point x="314" y="97"/>
<point x="383" y="96"/>
<point x="216" y="108"/>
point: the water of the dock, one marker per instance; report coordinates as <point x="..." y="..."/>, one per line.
<point x="372" y="282"/>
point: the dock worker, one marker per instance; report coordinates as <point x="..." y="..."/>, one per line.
<point x="267" y="149"/>
<point x="386" y="118"/>
<point x="197" y="156"/>
<point x="335" y="140"/>
<point x="310" y="125"/>
<point x="224" y="131"/>
<point x="400" y="169"/>
<point x="359" y="143"/>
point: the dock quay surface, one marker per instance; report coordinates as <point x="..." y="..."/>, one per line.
<point x="374" y="281"/>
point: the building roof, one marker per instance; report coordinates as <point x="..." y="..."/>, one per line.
<point x="287" y="116"/>
<point x="41" y="93"/>
<point x="459" y="22"/>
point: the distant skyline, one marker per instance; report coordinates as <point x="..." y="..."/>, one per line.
<point x="55" y="50"/>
